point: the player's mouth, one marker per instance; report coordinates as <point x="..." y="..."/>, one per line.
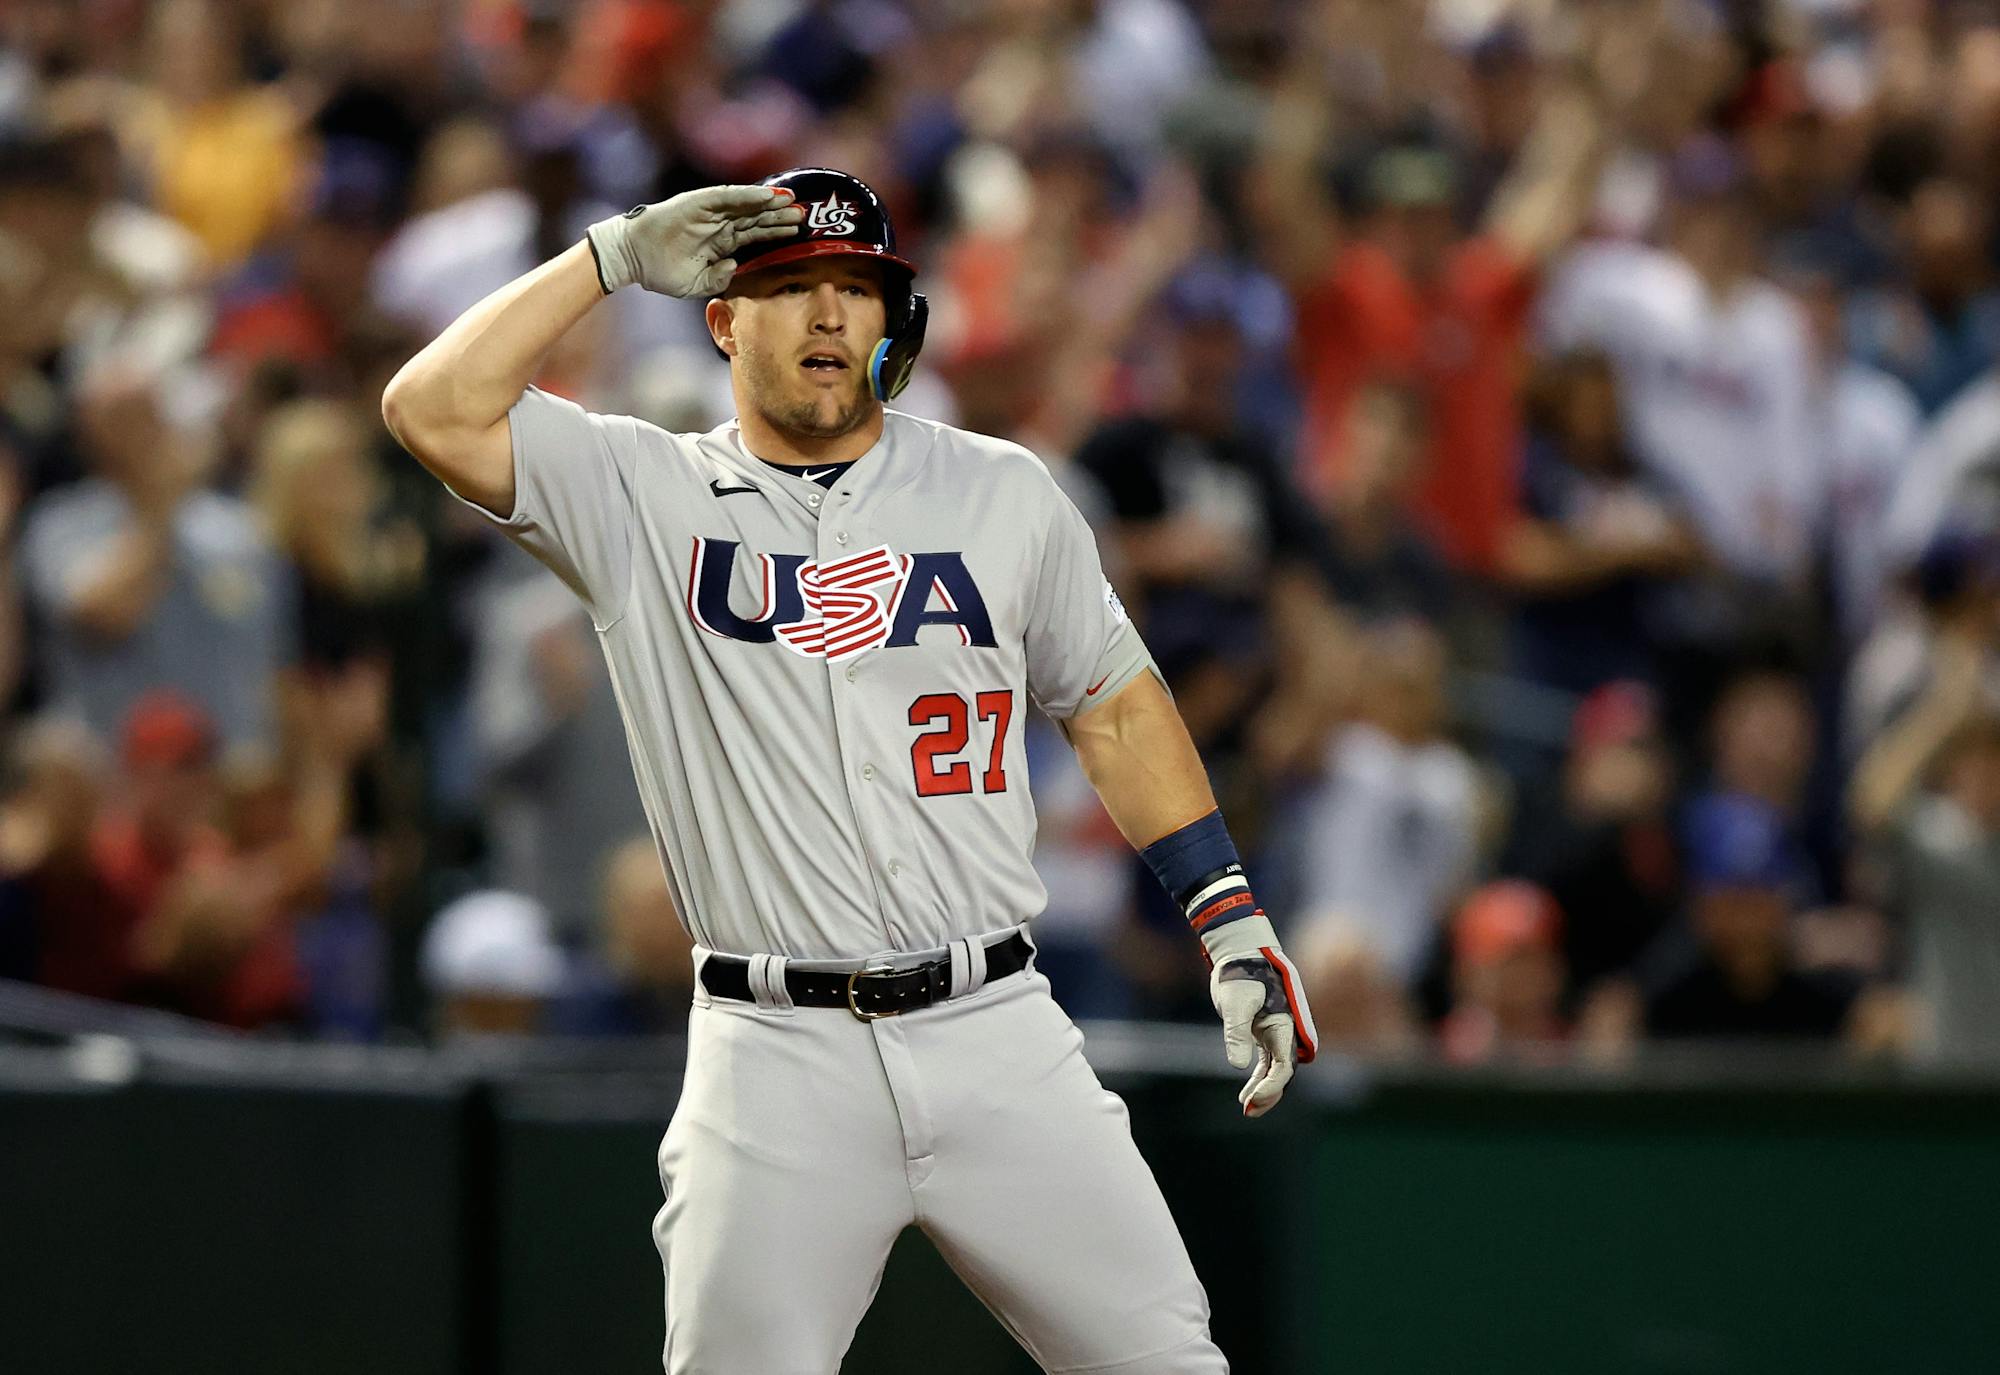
<point x="824" y="362"/>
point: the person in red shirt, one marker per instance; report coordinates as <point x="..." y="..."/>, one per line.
<point x="1507" y="970"/>
<point x="1400" y="292"/>
<point x="203" y="938"/>
<point x="64" y="928"/>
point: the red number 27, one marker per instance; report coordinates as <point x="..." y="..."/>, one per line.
<point x="930" y="751"/>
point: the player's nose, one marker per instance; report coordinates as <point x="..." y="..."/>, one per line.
<point x="829" y="314"/>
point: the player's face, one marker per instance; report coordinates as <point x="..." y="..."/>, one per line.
<point x="803" y="334"/>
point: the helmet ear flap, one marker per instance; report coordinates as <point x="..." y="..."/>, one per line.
<point x="895" y="357"/>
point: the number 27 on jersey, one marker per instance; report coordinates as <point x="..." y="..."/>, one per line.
<point x="950" y="718"/>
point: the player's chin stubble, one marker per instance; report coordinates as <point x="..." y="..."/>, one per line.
<point x="816" y="414"/>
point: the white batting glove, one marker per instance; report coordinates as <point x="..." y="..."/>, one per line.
<point x="681" y="247"/>
<point x="1262" y="1003"/>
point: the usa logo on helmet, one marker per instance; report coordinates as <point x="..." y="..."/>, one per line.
<point x="832" y="217"/>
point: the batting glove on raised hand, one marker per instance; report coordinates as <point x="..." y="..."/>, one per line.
<point x="681" y="247"/>
<point x="1262" y="1003"/>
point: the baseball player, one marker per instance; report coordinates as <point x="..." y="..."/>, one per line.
<point x="824" y="622"/>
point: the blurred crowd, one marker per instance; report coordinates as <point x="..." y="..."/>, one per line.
<point x="1552" y="448"/>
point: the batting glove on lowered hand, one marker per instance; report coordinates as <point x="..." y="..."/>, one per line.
<point x="1262" y="1003"/>
<point x="681" y="247"/>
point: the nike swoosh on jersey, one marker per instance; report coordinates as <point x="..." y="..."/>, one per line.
<point x="715" y="486"/>
<point x="1091" y="691"/>
<point x="815" y="477"/>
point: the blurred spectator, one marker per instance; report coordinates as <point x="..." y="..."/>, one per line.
<point x="444" y="261"/>
<point x="490" y="965"/>
<point x="322" y="502"/>
<point x="1607" y="856"/>
<point x="207" y="892"/>
<point x="1050" y="280"/>
<point x="128" y="281"/>
<point x="295" y="301"/>
<point x="43" y="215"/>
<point x="1953" y="631"/>
<point x="63" y="925"/>
<point x="1367" y="1012"/>
<point x="1399" y="291"/>
<point x="360" y="566"/>
<point x="143" y="579"/>
<point x="1714" y="371"/>
<point x="1930" y="790"/>
<point x="550" y="745"/>
<point x="1803" y="159"/>
<point x="1763" y="738"/>
<point x="1388" y="839"/>
<point x="223" y="155"/>
<point x="1374" y="555"/>
<point x="1507" y="977"/>
<point x="1597" y="538"/>
<point x="1738" y="980"/>
<point x="1938" y="327"/>
<point x="1210" y="536"/>
<point x="223" y="225"/>
<point x="296" y="850"/>
<point x="1952" y="477"/>
<point x="1762" y="734"/>
<point x="638" y="977"/>
<point x="15" y="647"/>
<point x="1868" y="426"/>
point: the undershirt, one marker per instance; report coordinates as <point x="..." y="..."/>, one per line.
<point x="825" y="477"/>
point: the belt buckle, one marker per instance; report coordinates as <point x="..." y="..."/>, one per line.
<point x="855" y="1007"/>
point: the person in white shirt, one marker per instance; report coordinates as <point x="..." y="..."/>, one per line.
<point x="1868" y="423"/>
<point x="1389" y="837"/>
<point x="1714" y="364"/>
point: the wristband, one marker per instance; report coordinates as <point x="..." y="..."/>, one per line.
<point x="1198" y="867"/>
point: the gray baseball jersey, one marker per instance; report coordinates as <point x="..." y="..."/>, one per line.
<point x="823" y="690"/>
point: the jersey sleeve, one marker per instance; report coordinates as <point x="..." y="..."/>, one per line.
<point x="572" y="498"/>
<point x="1081" y="646"/>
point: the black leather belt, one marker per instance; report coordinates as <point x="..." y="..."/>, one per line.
<point x="869" y="994"/>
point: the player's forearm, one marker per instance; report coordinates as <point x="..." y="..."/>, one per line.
<point x="1137" y="754"/>
<point x="467" y="379"/>
<point x="1145" y="768"/>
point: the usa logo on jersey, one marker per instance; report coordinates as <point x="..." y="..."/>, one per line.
<point x="834" y="610"/>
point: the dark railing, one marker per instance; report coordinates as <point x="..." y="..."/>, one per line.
<point x="192" y="1202"/>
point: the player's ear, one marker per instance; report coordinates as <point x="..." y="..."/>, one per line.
<point x="721" y="317"/>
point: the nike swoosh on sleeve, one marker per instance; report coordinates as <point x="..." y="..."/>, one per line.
<point x="1092" y="690"/>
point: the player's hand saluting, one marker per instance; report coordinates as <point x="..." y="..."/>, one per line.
<point x="1262" y="1003"/>
<point x="682" y="246"/>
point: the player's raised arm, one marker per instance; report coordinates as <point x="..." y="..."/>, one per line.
<point x="448" y="405"/>
<point x="1138" y="756"/>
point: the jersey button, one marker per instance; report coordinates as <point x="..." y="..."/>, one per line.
<point x="840" y="537"/>
<point x="895" y="867"/>
<point x="868" y="771"/>
<point x="813" y="500"/>
<point x="850" y="673"/>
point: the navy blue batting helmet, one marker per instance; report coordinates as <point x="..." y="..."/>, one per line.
<point x="845" y="216"/>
